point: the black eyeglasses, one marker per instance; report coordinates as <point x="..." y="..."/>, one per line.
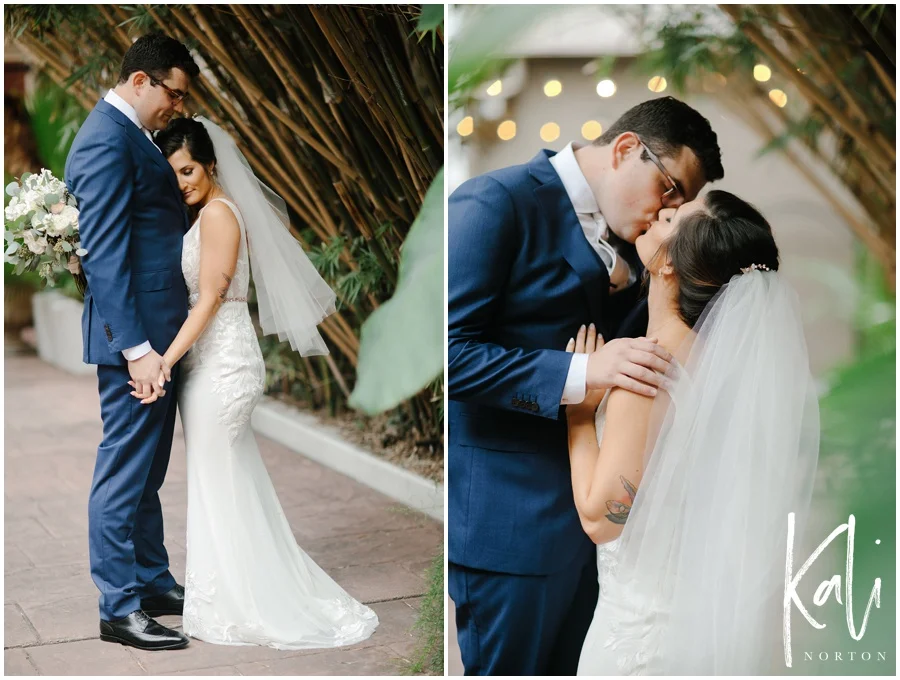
<point x="174" y="95"/>
<point x="674" y="189"/>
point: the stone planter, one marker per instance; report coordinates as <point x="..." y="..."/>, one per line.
<point x="57" y="326"/>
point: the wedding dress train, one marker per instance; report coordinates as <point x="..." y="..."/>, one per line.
<point x="247" y="581"/>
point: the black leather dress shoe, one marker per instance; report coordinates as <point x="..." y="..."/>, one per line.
<point x="139" y="630"/>
<point x="171" y="602"/>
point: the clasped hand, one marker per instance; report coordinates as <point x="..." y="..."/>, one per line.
<point x="149" y="376"/>
<point x="635" y="364"/>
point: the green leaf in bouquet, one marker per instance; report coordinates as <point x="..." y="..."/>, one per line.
<point x="22" y="266"/>
<point x="9" y="236"/>
<point x="51" y="199"/>
<point x="66" y="246"/>
<point x="12" y="189"/>
<point x="13" y="247"/>
<point x="24" y="177"/>
<point x="12" y="259"/>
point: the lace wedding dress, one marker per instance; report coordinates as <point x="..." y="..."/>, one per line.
<point x="247" y="581"/>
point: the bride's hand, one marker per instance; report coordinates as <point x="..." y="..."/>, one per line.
<point x="586" y="341"/>
<point x="165" y="373"/>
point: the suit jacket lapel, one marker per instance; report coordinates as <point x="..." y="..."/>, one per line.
<point x="155" y="155"/>
<point x="575" y="249"/>
<point x="145" y="144"/>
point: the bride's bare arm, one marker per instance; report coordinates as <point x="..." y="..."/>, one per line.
<point x="605" y="477"/>
<point x="220" y="238"/>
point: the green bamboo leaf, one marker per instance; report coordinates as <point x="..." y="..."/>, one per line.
<point x="402" y="342"/>
<point x="432" y="16"/>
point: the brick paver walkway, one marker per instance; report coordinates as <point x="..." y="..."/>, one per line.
<point x="377" y="550"/>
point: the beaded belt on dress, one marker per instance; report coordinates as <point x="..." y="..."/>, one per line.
<point x="241" y="299"/>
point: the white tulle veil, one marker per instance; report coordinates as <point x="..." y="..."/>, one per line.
<point x="293" y="299"/>
<point x="735" y="451"/>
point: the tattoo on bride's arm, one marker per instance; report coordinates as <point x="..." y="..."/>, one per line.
<point x="619" y="510"/>
<point x="223" y="291"/>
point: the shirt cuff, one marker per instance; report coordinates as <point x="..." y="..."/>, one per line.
<point x="135" y="353"/>
<point x="576" y="380"/>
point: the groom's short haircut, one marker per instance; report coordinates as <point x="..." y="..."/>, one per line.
<point x="156" y="54"/>
<point x="665" y="125"/>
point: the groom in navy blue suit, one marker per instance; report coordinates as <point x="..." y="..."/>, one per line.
<point x="132" y="221"/>
<point x="535" y="251"/>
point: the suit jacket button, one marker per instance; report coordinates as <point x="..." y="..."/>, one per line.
<point x="534" y="406"/>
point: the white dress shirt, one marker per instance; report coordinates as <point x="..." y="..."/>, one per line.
<point x="114" y="100"/>
<point x="596" y="232"/>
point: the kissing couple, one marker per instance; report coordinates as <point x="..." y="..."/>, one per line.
<point x="631" y="412"/>
<point x="167" y="323"/>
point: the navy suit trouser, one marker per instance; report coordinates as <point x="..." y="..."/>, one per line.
<point x="524" y="625"/>
<point x="125" y="522"/>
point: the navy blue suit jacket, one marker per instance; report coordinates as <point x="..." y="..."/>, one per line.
<point x="522" y="279"/>
<point x="132" y="222"/>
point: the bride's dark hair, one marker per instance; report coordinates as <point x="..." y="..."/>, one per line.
<point x="714" y="244"/>
<point x="190" y="134"/>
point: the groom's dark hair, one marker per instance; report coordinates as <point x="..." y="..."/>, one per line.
<point x="156" y="54"/>
<point x="667" y="124"/>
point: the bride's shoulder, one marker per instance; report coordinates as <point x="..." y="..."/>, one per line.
<point x="217" y="216"/>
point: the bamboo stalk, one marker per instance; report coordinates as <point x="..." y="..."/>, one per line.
<point x="124" y="41"/>
<point x="833" y="79"/>
<point x="797" y="19"/>
<point x="883" y="76"/>
<point x="882" y="252"/>
<point x="258" y="98"/>
<point x="809" y="90"/>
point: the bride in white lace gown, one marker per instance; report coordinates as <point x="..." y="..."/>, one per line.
<point x="687" y="495"/>
<point x="247" y="580"/>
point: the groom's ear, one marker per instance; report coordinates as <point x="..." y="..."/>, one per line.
<point x="139" y="78"/>
<point x="623" y="146"/>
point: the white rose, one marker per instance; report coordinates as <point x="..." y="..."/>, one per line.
<point x="57" y="225"/>
<point x="33" y="199"/>
<point x="61" y="223"/>
<point x="70" y="215"/>
<point x="36" y="245"/>
<point x="15" y="209"/>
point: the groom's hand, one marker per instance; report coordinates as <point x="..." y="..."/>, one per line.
<point x="145" y="374"/>
<point x="634" y="364"/>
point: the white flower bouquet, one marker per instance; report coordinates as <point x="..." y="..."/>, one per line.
<point x="42" y="228"/>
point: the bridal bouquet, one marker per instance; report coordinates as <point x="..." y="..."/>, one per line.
<point x="42" y="228"/>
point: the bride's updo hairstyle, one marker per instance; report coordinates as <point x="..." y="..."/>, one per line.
<point x="189" y="134"/>
<point x="712" y="245"/>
